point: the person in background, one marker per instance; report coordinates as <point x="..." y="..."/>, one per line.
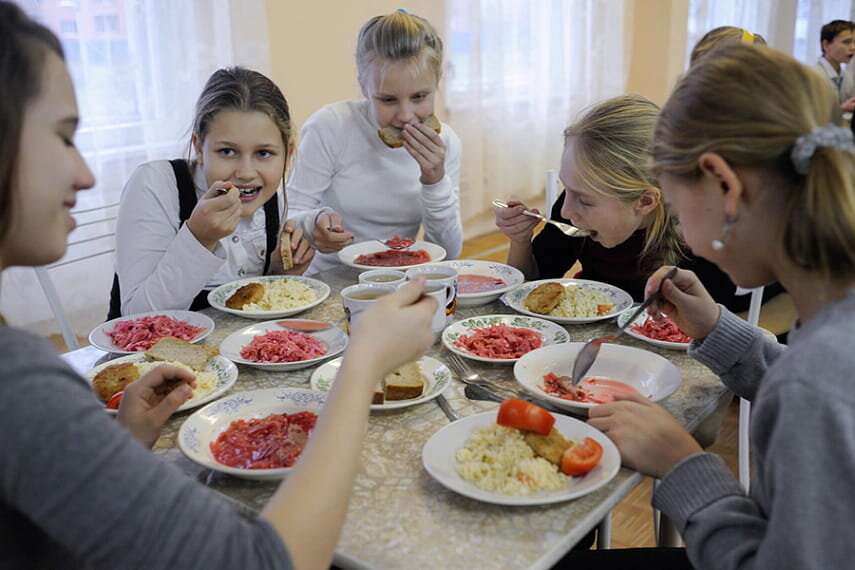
<point x="80" y="489"/>
<point x="721" y="36"/>
<point x="186" y="227"/>
<point x="838" y="45"/>
<point x="610" y="191"/>
<point x="347" y="183"/>
<point x="763" y="182"/>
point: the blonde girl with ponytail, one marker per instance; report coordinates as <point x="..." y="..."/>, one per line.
<point x="750" y="158"/>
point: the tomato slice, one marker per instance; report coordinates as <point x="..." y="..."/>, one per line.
<point x="525" y="415"/>
<point x="581" y="458"/>
<point x="115" y="400"/>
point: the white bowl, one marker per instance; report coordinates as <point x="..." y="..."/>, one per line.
<point x="100" y="339"/>
<point x="225" y="370"/>
<point x="218" y="297"/>
<point x="549" y="332"/>
<point x="351" y="252"/>
<point x="512" y="277"/>
<point x="204" y="426"/>
<point x="650" y="374"/>
<point x="622" y="301"/>
<point x="333" y="338"/>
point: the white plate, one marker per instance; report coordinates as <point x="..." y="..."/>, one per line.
<point x="333" y="338"/>
<point x="224" y="368"/>
<point x="549" y="332"/>
<point x="639" y="320"/>
<point x="204" y="426"/>
<point x="439" y="459"/>
<point x="436" y="375"/>
<point x="354" y="250"/>
<point x="218" y="297"/>
<point x="512" y="277"/>
<point x="620" y="298"/>
<point x="652" y="375"/>
<point x="100" y="339"/>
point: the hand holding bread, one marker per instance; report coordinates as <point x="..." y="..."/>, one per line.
<point x="295" y="252"/>
<point x="425" y="145"/>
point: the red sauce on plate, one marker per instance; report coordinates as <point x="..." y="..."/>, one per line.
<point x="393" y="258"/>
<point x="264" y="443"/>
<point x="471" y="283"/>
<point x="500" y="341"/>
<point x="589" y="390"/>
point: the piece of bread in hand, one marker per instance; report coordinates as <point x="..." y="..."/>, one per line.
<point x="285" y="251"/>
<point x="249" y="293"/>
<point x="394" y="139"/>
<point x="404" y="383"/>
<point x="544" y="298"/>
<point x="195" y="356"/>
<point x="114" y="378"/>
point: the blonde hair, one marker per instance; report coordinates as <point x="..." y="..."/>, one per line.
<point x="723" y="35"/>
<point x="771" y="100"/>
<point x="612" y="152"/>
<point x="398" y="37"/>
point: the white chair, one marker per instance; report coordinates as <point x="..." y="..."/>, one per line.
<point x="553" y="189"/>
<point x="94" y="236"/>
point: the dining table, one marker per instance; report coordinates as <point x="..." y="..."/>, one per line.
<point x="398" y="515"/>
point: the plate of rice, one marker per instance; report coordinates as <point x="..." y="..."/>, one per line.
<point x="482" y="460"/>
<point x="583" y="301"/>
<point x="283" y="296"/>
<point x="269" y="346"/>
<point x="213" y="381"/>
<point x="501" y="339"/>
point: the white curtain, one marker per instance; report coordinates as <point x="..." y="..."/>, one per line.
<point x="791" y="26"/>
<point x="520" y="72"/>
<point x="138" y="67"/>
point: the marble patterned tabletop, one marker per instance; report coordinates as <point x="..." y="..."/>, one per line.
<point x="399" y="517"/>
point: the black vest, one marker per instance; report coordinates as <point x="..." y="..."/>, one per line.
<point x="187" y="201"/>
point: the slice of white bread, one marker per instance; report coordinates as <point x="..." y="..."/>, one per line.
<point x="404" y="383"/>
<point x="285" y="250"/>
<point x="195" y="356"/>
<point x="392" y="135"/>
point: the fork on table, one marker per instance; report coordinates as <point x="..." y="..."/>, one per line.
<point x="469" y="376"/>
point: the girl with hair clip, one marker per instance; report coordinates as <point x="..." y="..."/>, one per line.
<point x="609" y="190"/>
<point x="721" y="36"/>
<point x="185" y="227"/>
<point x="79" y="489"/>
<point x="347" y="183"/>
<point x="763" y="182"/>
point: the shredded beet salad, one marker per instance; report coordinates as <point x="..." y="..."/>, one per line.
<point x="264" y="443"/>
<point x="141" y="334"/>
<point x="500" y="341"/>
<point x="283" y="346"/>
<point x="666" y="330"/>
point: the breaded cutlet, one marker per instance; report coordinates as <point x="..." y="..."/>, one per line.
<point x="249" y="293"/>
<point x="551" y="447"/>
<point x="114" y="378"/>
<point x="544" y="298"/>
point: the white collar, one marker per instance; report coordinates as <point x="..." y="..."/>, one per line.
<point x="829" y="69"/>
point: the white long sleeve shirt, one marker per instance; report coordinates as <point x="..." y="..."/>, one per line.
<point x="342" y="165"/>
<point x="163" y="267"/>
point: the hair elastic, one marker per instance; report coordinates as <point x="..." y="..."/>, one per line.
<point x="829" y="136"/>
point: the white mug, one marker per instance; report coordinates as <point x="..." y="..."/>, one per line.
<point x="444" y="275"/>
<point x="357" y="298"/>
<point x="444" y="294"/>
<point x="383" y="277"/>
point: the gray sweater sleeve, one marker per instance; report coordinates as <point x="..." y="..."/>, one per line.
<point x="798" y="513"/>
<point x="87" y="487"/>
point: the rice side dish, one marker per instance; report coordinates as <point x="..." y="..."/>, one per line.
<point x="205" y="381"/>
<point x="497" y="458"/>
<point x="582" y="302"/>
<point x="283" y="294"/>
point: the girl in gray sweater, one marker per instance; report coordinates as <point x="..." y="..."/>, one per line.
<point x="751" y="159"/>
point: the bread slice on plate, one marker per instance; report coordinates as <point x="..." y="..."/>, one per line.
<point x="195" y="356"/>
<point x="404" y="383"/>
<point x="379" y="395"/>
<point x="392" y="135"/>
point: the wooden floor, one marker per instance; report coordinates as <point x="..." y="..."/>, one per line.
<point x="632" y="519"/>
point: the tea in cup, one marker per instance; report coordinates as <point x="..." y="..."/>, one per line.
<point x="441" y="274"/>
<point x="357" y="298"/>
<point x="383" y="276"/>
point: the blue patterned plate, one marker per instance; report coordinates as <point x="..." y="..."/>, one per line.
<point x="618" y="297"/>
<point x="218" y="297"/>
<point x="549" y="332"/>
<point x="511" y="276"/>
<point x="205" y="425"/>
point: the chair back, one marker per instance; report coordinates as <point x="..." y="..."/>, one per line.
<point x="553" y="189"/>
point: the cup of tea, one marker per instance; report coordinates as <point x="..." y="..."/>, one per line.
<point x="383" y="276"/>
<point x="443" y="275"/>
<point x="444" y="294"/>
<point x="357" y="298"/>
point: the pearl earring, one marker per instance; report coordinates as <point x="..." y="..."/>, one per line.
<point x="718" y="244"/>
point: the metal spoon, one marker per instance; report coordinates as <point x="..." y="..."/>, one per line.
<point x="589" y="352"/>
<point x="566" y="229"/>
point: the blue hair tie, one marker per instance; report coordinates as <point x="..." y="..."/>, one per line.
<point x="402" y="10"/>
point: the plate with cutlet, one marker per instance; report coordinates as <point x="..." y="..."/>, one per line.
<point x="568" y="301"/>
<point x="269" y="296"/>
